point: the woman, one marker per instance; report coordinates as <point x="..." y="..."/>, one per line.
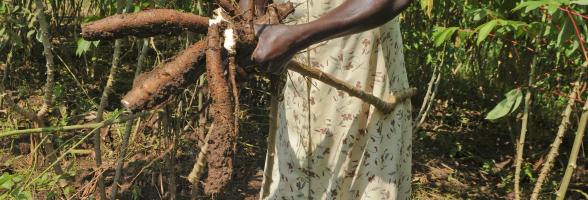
<point x="329" y="145"/>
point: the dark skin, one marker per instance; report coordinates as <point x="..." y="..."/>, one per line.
<point x="279" y="43"/>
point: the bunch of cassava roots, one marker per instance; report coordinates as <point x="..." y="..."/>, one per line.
<point x="225" y="52"/>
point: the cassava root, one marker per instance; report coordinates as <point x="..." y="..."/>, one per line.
<point x="144" y="24"/>
<point x="152" y="88"/>
<point x="223" y="138"/>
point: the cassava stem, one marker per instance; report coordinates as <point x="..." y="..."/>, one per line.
<point x="525" y="122"/>
<point x="561" y="192"/>
<point x="48" y="94"/>
<point x="47" y="48"/>
<point x="385" y="106"/>
<point x="554" y="147"/>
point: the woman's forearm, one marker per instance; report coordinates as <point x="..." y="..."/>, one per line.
<point x="278" y="43"/>
<point x="353" y="16"/>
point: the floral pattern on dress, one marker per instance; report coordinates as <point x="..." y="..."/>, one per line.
<point x="329" y="145"/>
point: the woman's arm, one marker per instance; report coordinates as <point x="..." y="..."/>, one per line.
<point x="278" y="43"/>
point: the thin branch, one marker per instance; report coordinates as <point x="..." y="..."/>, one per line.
<point x="432" y="88"/>
<point x="579" y="36"/>
<point x="383" y="105"/>
<point x="567" y="9"/>
<point x="74" y="127"/>
<point x="121" y="156"/>
<point x="142" y="53"/>
<point x="196" y="173"/>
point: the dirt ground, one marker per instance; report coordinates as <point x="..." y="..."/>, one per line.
<point x="449" y="162"/>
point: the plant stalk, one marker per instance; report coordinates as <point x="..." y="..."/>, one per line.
<point x="554" y="150"/>
<point x="49" y="83"/>
<point x="73" y="127"/>
<point x="561" y="193"/>
<point x="104" y="102"/>
<point x="525" y="123"/>
<point x="121" y="156"/>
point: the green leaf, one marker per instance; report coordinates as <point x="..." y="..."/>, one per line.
<point x="23" y="195"/>
<point x="443" y="34"/>
<point x="552" y="8"/>
<point x="31" y="33"/>
<point x="137" y="8"/>
<point x="570" y="49"/>
<point x="485" y="29"/>
<point x="565" y="33"/>
<point x="518" y="100"/>
<point x="529" y="5"/>
<point x="17" y="178"/>
<point x="506" y="106"/>
<point x="529" y="172"/>
<point x="5" y="177"/>
<point x="580" y="2"/>
<point x="427" y="7"/>
<point x="533" y="5"/>
<point x="2" y="8"/>
<point x="83" y="47"/>
<point x="7" y="184"/>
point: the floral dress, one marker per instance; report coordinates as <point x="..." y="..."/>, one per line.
<point x="328" y="145"/>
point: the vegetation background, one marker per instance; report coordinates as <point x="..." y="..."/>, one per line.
<point x="501" y="112"/>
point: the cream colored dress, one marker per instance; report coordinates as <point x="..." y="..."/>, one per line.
<point x="329" y="145"/>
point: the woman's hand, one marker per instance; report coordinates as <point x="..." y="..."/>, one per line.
<point x="277" y="44"/>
